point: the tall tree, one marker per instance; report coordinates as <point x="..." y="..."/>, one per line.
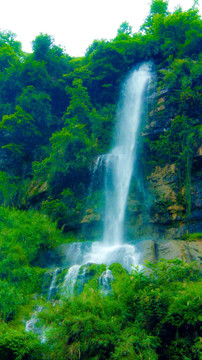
<point x="158" y="7"/>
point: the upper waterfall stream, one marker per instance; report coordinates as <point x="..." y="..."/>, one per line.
<point x="120" y="161"/>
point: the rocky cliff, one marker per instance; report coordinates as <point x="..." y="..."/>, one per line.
<point x="168" y="203"/>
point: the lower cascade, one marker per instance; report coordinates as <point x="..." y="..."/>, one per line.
<point x="77" y="268"/>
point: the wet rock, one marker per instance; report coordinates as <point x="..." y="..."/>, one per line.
<point x="105" y="281"/>
<point x="70" y="281"/>
<point x="86" y="273"/>
<point x="34" y="323"/>
<point x="90" y="217"/>
<point x="146" y="249"/>
<point x="74" y="253"/>
<point x="154" y="250"/>
<point x="51" y="283"/>
<point x="181" y="249"/>
<point x="196" y="194"/>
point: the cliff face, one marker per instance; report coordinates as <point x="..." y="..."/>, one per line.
<point x="157" y="211"/>
<point x="168" y="208"/>
<point x="154" y="250"/>
<point x="170" y="203"/>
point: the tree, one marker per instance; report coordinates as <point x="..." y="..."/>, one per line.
<point x="44" y="49"/>
<point x="19" y="136"/>
<point x="158" y="7"/>
<point x="125" y="29"/>
<point x="8" y="38"/>
<point x="34" y="73"/>
<point x="41" y="46"/>
<point x="37" y="104"/>
<point x="80" y="107"/>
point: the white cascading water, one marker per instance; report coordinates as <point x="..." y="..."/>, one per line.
<point x="53" y="284"/>
<point x="105" y="281"/>
<point x="70" y="280"/>
<point x="119" y="164"/>
<point x="120" y="161"/>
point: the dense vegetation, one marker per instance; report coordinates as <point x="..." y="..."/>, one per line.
<point x="147" y="315"/>
<point x="57" y="114"/>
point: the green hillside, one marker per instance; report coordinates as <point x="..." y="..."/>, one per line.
<point x="57" y="115"/>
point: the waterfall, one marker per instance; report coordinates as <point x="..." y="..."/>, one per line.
<point x="118" y="165"/>
<point x="120" y="161"/>
<point x="105" y="281"/>
<point x="70" y="280"/>
<point x="53" y="284"/>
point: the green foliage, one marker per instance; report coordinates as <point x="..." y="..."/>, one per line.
<point x="71" y="102"/>
<point x="34" y="74"/>
<point x="8" y="38"/>
<point x="124" y="29"/>
<point x="158" y="10"/>
<point x="41" y="46"/>
<point x="28" y="228"/>
<point x="10" y="300"/>
<point x="44" y="50"/>
<point x="182" y="80"/>
<point x="7" y="58"/>
<point x="15" y="345"/>
<point x="172" y="270"/>
<point x="178" y="143"/>
<point x="192" y="237"/>
<point x="72" y="149"/>
<point x="23" y="239"/>
<point x="22" y="136"/>
<point x="8" y="188"/>
<point x="79" y="107"/>
<point x="146" y="316"/>
<point x="54" y="208"/>
<point x="62" y="211"/>
<point x="37" y="104"/>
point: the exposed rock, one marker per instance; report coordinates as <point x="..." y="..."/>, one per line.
<point x="35" y="193"/>
<point x="199" y="152"/>
<point x="196" y="196"/>
<point x="166" y="206"/>
<point x="169" y="203"/>
<point x="159" y="119"/>
<point x="86" y="273"/>
<point x="162" y="180"/>
<point x="146" y="249"/>
<point x="90" y="217"/>
<point x="154" y="250"/>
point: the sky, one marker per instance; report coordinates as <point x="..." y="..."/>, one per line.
<point x="74" y="24"/>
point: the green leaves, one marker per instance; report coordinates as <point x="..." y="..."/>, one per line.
<point x="158" y="11"/>
<point x="145" y="316"/>
<point x="28" y="233"/>
<point x="24" y="236"/>
<point x="20" y="136"/>
<point x="20" y="345"/>
<point x="37" y="104"/>
<point x="10" y="299"/>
